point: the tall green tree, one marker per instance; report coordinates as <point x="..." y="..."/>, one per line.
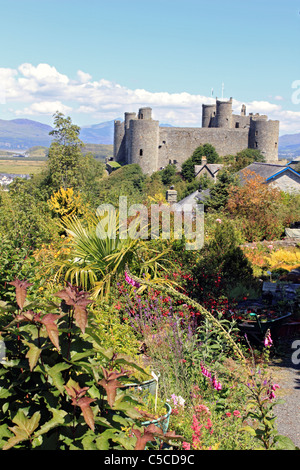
<point x="168" y="174"/>
<point x="188" y="167"/>
<point x="208" y="151"/>
<point x="245" y="158"/>
<point x="65" y="156"/>
<point x="219" y="193"/>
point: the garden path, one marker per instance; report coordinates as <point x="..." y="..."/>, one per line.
<point x="287" y="375"/>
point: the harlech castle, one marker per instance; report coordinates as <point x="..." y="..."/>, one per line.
<point x="140" y="139"/>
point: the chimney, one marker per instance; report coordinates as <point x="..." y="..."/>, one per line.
<point x="171" y="195"/>
<point x="204" y="160"/>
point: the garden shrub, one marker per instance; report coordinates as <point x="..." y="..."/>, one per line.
<point x="222" y="266"/>
<point x="15" y="259"/>
<point x="24" y="218"/>
<point x="287" y="259"/>
<point x="256" y="205"/>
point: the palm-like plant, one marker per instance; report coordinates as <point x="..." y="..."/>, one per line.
<point x="100" y="251"/>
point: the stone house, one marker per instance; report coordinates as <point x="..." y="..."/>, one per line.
<point x="211" y="170"/>
<point x="282" y="177"/>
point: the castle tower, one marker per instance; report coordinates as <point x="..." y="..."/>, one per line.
<point x="127" y="118"/>
<point x="264" y="136"/>
<point x="208" y="115"/>
<point x="224" y="114"/>
<point x="145" y="113"/>
<point x="144" y="140"/>
<point x="119" y="141"/>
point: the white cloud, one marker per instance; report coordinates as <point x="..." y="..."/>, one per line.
<point x="262" y="107"/>
<point x="43" y="73"/>
<point x="86" y="109"/>
<point x="83" y="76"/>
<point x="42" y="90"/>
<point x="44" y="107"/>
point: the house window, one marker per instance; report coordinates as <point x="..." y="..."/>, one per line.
<point x="256" y="132"/>
<point x="276" y="145"/>
<point x="256" y="144"/>
<point x="237" y="125"/>
<point x="141" y="152"/>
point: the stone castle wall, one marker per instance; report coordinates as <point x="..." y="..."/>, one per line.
<point x="177" y="144"/>
<point x="140" y="139"/>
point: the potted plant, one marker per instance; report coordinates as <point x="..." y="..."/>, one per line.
<point x="143" y="377"/>
<point x="153" y="410"/>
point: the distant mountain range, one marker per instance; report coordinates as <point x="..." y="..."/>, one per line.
<point x="21" y="134"/>
<point x="289" y="146"/>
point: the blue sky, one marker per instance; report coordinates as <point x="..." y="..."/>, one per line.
<point x="96" y="59"/>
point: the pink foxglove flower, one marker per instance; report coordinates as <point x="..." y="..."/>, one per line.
<point x="271" y="392"/>
<point x="268" y="340"/>
<point x="217" y="385"/>
<point x="131" y="281"/>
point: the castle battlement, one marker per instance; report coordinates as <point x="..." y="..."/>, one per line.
<point x="140" y="139"/>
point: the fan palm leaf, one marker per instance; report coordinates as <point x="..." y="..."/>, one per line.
<point x="99" y="252"/>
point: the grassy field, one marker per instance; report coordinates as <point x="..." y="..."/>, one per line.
<point x="22" y="166"/>
<point x="37" y="158"/>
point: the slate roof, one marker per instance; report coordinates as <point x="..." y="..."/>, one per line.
<point x="194" y="198"/>
<point x="266" y="170"/>
<point x="212" y="167"/>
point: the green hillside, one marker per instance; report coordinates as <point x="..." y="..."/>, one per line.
<point x="100" y="151"/>
<point x="38" y="151"/>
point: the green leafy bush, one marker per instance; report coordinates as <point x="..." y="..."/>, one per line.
<point x="223" y="264"/>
